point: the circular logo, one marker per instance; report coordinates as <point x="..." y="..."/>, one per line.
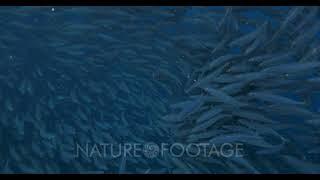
<point x="151" y="150"/>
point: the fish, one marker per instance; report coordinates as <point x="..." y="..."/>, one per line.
<point x="300" y="165"/>
<point x="203" y="126"/>
<point x="256" y="39"/>
<point x="290" y="110"/>
<point x="306" y="37"/>
<point x="192" y="106"/>
<point x="313" y="11"/>
<point x="314" y="150"/>
<point x="292" y="15"/>
<point x="7" y="169"/>
<point x="245" y="39"/>
<point x="9" y="105"/>
<point x="251" y="115"/>
<point x="240" y="68"/>
<point x="245" y="163"/>
<point x="197" y="137"/>
<point x="94" y="78"/>
<point x="311" y="55"/>
<point x="221" y="60"/>
<point x="271" y="151"/>
<point x="228" y="24"/>
<point x="122" y="167"/>
<point x="234" y="88"/>
<point x="207" y="79"/>
<point x="315" y="122"/>
<point x="223" y="97"/>
<point x="209" y="114"/>
<point x="291" y="68"/>
<point x="247" y="139"/>
<point x="272" y="98"/>
<point x="279" y="59"/>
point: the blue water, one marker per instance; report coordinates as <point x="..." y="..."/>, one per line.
<point x="73" y="76"/>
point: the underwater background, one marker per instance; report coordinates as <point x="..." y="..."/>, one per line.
<point x="73" y="78"/>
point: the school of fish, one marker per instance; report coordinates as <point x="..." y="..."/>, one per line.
<point x="72" y="75"/>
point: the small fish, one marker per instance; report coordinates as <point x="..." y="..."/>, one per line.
<point x="251" y="115"/>
<point x="228" y="24"/>
<point x="221" y="60"/>
<point x="256" y="37"/>
<point x="306" y="37"/>
<point x="247" y="139"/>
<point x="289" y="111"/>
<point x="51" y="87"/>
<point x="7" y="169"/>
<point x="312" y="14"/>
<point x="203" y="126"/>
<point x="209" y="114"/>
<point x="122" y="167"/>
<point x="301" y="165"/>
<point x="234" y="88"/>
<point x="9" y="105"/>
<point x="223" y="97"/>
<point x="255" y="45"/>
<point x="245" y="39"/>
<point x="293" y="14"/>
<point x="272" y="98"/>
<point x="261" y="58"/>
<point x="292" y="67"/>
<point x="207" y="79"/>
<point x="276" y="60"/>
<point x="274" y="150"/>
<point x="314" y="150"/>
<point x="315" y="122"/>
<point x="22" y="87"/>
<point x="245" y="163"/>
<point x="240" y="68"/>
<point x="203" y="135"/>
<point x="189" y="108"/>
